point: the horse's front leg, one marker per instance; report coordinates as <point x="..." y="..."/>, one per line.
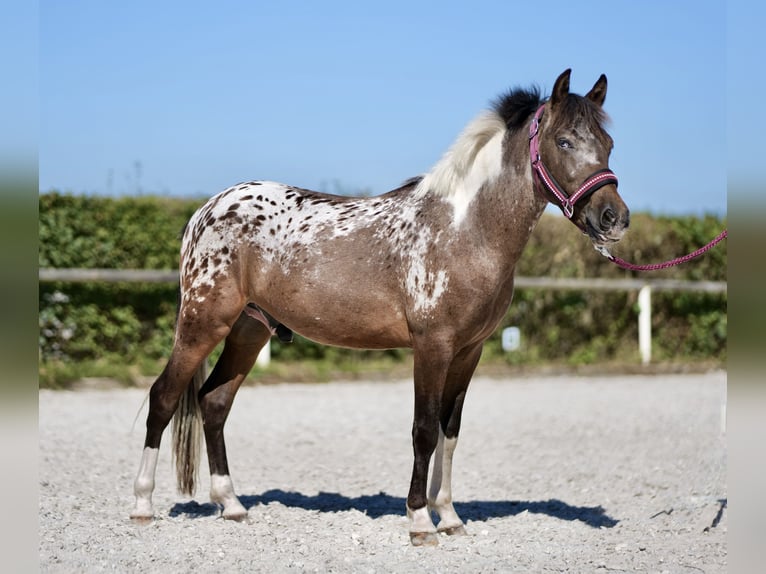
<point x="246" y="339"/>
<point x="429" y="375"/>
<point x="440" y="491"/>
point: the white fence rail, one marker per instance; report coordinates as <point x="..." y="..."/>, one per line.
<point x="108" y="275"/>
<point x="643" y="286"/>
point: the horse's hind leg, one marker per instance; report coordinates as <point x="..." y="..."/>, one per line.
<point x="440" y="491"/>
<point x="163" y="401"/>
<point x="197" y="334"/>
<point x="243" y="343"/>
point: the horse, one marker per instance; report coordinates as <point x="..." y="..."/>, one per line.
<point x="428" y="266"/>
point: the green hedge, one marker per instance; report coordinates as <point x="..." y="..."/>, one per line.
<point x="132" y="324"/>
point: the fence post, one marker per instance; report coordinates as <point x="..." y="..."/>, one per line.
<point x="264" y="357"/>
<point x="645" y="323"/>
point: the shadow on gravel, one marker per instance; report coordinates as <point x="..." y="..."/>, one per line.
<point x="377" y="505"/>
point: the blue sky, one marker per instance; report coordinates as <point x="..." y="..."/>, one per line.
<point x="188" y="98"/>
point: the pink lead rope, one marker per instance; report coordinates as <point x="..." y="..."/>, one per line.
<point x="664" y="265"/>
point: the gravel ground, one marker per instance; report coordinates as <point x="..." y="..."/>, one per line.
<point x="561" y="474"/>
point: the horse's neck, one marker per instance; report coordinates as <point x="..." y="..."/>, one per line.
<point x="508" y="209"/>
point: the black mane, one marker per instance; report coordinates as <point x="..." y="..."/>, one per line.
<point x="516" y="105"/>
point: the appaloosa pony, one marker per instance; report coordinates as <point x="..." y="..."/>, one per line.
<point x="428" y="266"/>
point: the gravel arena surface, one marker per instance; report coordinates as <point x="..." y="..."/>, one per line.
<point x="552" y="474"/>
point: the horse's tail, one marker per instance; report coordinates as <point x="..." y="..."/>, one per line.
<point x="187" y="434"/>
<point x="187" y="424"/>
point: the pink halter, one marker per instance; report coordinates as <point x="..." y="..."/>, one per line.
<point x="566" y="202"/>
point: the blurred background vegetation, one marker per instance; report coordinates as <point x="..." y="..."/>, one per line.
<point x="124" y="330"/>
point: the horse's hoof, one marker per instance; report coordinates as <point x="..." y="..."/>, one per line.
<point x="141" y="519"/>
<point x="454" y="531"/>
<point x="235" y="516"/>
<point x="143" y="513"/>
<point x="424" y="539"/>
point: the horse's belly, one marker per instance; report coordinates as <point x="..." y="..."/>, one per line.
<point x="357" y="312"/>
<point x="332" y="323"/>
<point x="354" y="338"/>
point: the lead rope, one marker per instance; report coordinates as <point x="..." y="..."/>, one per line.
<point x="664" y="265"/>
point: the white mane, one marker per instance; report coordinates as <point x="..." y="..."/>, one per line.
<point x="474" y="159"/>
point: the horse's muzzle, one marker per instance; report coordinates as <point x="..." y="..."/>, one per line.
<point x="606" y="223"/>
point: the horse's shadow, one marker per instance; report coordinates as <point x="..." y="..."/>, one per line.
<point x="377" y="505"/>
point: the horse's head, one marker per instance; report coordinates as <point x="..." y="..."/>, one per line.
<point x="570" y="156"/>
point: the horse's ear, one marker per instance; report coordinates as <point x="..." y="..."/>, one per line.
<point x="597" y="94"/>
<point x="561" y="87"/>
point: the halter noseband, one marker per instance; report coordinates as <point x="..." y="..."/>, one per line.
<point x="566" y="202"/>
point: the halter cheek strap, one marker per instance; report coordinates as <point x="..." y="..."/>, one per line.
<point x="566" y="202"/>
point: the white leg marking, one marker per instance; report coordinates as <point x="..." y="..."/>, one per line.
<point x="222" y="492"/>
<point x="440" y="492"/>
<point x="420" y="520"/>
<point x="144" y="484"/>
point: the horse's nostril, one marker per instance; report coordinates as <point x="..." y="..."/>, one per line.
<point x="608" y="218"/>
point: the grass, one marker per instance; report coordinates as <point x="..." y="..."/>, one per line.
<point x="59" y="375"/>
<point x="62" y="375"/>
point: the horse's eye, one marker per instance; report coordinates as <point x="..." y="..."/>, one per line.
<point x="564" y="143"/>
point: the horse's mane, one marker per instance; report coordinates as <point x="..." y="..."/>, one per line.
<point x="516" y="105"/>
<point x="463" y="169"/>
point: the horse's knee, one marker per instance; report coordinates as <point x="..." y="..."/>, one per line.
<point x="425" y="435"/>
